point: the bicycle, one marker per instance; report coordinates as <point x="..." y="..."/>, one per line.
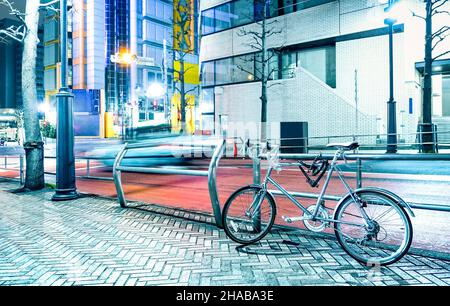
<point x="371" y="224"/>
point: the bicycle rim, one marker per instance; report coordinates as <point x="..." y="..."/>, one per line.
<point x="382" y="239"/>
<point x="244" y="224"/>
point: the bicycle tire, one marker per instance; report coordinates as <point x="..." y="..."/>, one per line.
<point x="226" y="218"/>
<point x="371" y="261"/>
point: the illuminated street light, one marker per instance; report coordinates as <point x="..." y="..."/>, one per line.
<point x="155" y="90"/>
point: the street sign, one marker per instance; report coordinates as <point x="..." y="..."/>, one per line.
<point x="132" y="58"/>
<point x="145" y="61"/>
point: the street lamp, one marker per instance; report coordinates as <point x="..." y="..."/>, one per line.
<point x="392" y="14"/>
<point x="155" y="90"/>
<point x="65" y="157"/>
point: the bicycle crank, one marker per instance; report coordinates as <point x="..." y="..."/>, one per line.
<point x="316" y="225"/>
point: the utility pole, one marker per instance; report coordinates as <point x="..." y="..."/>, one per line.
<point x="356" y="105"/>
<point x="391" y="110"/>
<point x="65" y="157"/>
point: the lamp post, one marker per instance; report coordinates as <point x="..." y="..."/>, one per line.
<point x="65" y="157"/>
<point x="391" y="104"/>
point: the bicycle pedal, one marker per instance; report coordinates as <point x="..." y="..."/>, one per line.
<point x="292" y="219"/>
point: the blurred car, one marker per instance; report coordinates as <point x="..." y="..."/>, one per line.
<point x="165" y="150"/>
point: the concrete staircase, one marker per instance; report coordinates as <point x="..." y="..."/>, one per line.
<point x="443" y="128"/>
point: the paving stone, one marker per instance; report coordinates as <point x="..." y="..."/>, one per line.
<point x="92" y="241"/>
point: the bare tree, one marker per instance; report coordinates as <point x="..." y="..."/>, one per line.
<point x="432" y="41"/>
<point x="258" y="40"/>
<point x="27" y="34"/>
<point x="184" y="45"/>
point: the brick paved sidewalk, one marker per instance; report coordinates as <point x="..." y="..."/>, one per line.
<point x="92" y="241"/>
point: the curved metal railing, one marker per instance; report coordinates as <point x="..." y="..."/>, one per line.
<point x="211" y="173"/>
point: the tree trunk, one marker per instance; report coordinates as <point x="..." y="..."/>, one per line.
<point x="264" y="79"/>
<point x="182" y="97"/>
<point x="427" y="136"/>
<point x="34" y="147"/>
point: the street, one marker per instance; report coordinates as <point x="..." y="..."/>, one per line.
<point x="431" y="228"/>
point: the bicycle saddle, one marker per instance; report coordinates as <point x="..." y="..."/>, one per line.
<point x="348" y="146"/>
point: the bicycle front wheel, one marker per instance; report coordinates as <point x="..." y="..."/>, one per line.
<point x="244" y="220"/>
<point x="375" y="230"/>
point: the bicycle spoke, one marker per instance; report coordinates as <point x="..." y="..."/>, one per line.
<point x="383" y="239"/>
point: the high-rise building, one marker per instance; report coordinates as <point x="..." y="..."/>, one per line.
<point x="86" y="73"/>
<point x="118" y="50"/>
<point x="151" y="40"/>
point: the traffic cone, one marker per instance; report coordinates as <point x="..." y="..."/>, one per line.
<point x="235" y="150"/>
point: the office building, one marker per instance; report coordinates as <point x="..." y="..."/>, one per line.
<point x="330" y="68"/>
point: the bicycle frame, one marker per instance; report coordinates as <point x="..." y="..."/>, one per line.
<point x="313" y="216"/>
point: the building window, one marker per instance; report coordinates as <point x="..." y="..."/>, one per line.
<point x="240" y="12"/>
<point x="288" y="64"/>
<point x="208" y="73"/>
<point x="139" y="6"/>
<point x="223" y="17"/>
<point x="321" y="62"/>
<point x="208" y="123"/>
<point x="51" y="54"/>
<point x="139" y="28"/>
<point x="208" y="21"/>
<point x="154" y="77"/>
<point x="244" y="68"/>
<point x="207" y="101"/>
<point x="224" y="71"/>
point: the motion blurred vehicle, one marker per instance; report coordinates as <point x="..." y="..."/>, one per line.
<point x="8" y="127"/>
<point x="160" y="150"/>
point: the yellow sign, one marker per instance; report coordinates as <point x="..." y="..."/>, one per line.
<point x="191" y="73"/>
<point x="183" y="26"/>
<point x="176" y="113"/>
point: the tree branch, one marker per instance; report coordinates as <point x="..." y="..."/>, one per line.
<point x="441" y="55"/>
<point x="418" y="16"/>
<point x="441" y="31"/>
<point x="438" y="4"/>
<point x="17" y="33"/>
<point x="441" y="38"/>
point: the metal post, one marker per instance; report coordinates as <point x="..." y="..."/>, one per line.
<point x="65" y="157"/>
<point x="391" y="111"/>
<point x="88" y="168"/>
<point x="21" y="174"/>
<point x="257" y="181"/>
<point x="358" y="173"/>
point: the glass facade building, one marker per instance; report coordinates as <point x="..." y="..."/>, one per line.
<point x="241" y="12"/>
<point x="117" y="40"/>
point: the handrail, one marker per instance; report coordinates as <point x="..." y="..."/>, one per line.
<point x="211" y="173"/>
<point x="359" y="158"/>
<point x="420" y="157"/>
<point x="14" y="151"/>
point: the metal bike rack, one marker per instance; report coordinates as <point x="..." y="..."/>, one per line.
<point x="211" y="173"/>
<point x="359" y="158"/>
<point x="10" y="152"/>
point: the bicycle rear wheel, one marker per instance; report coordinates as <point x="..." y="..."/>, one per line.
<point x="375" y="230"/>
<point x="243" y="221"/>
